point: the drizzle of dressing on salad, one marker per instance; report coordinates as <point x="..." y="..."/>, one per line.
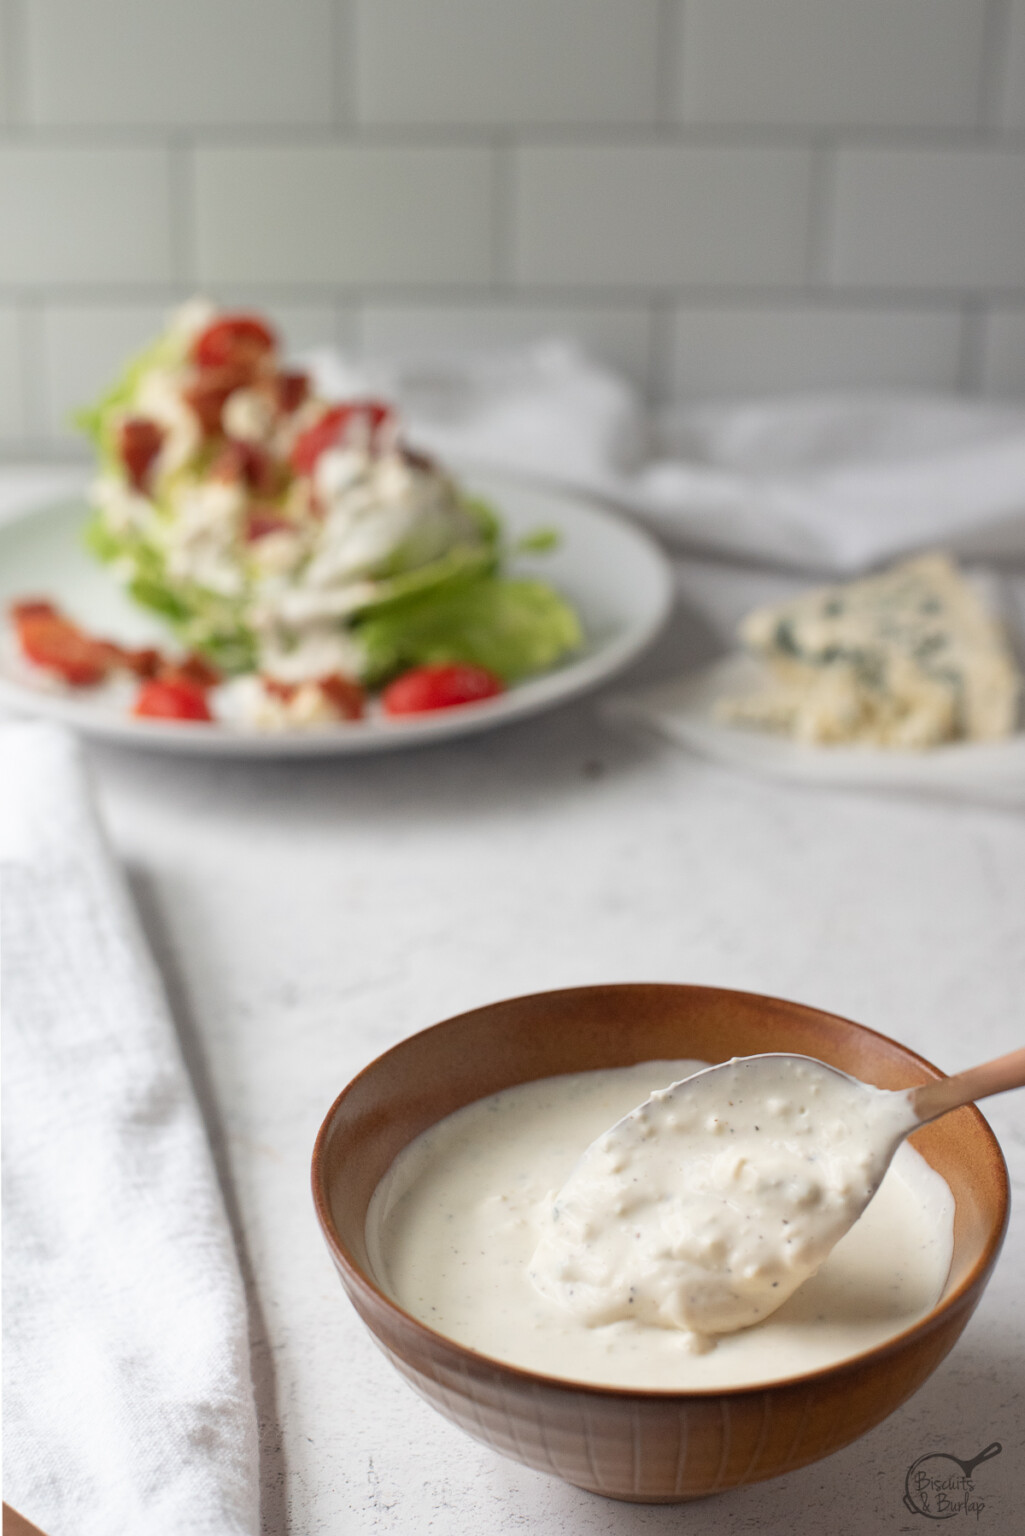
<point x="454" y="1227"/>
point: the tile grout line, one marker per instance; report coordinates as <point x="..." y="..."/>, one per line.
<point x="357" y="310"/>
<point x="351" y="134"/>
<point x="972" y="360"/>
<point x="661" y="349"/>
<point x="849" y="298"/>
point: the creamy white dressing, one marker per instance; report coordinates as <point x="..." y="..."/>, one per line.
<point x="124" y="509"/>
<point x="160" y="398"/>
<point x="249" y="416"/>
<point x="247" y="699"/>
<point x="200" y="540"/>
<point x="381" y="511"/>
<point x="454" y="1228"/>
<point x="711" y="1202"/>
<point x="322" y="650"/>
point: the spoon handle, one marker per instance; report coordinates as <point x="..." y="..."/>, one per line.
<point x="977" y="1083"/>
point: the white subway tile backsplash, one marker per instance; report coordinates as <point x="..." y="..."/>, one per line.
<point x="333" y="214"/>
<point x="714" y="196"/>
<point x="661" y="214"/>
<point x="495" y="61"/>
<point x="1014" y="69"/>
<point x="6" y="65"/>
<point x="182" y="62"/>
<point x="618" y="336"/>
<point x="748" y="350"/>
<point x="893" y="63"/>
<point x="12" y="403"/>
<point x="83" y="351"/>
<point x="1003" y="358"/>
<point x="75" y="216"/>
<point x="929" y="218"/>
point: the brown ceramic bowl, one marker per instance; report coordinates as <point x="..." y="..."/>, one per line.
<point x="648" y="1446"/>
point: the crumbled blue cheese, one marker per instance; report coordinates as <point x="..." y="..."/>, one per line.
<point x="908" y="658"/>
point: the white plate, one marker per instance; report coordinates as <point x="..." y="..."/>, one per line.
<point x="991" y="772"/>
<point x="614" y="575"/>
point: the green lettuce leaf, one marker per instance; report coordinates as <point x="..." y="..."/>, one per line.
<point x="459" y="567"/>
<point x="100" y="541"/>
<point x="514" y="628"/>
<point x="97" y="421"/>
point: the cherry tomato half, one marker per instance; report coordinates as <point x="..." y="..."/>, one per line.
<point x="172" y="696"/>
<point x="235" y="341"/>
<point x="428" y="688"/>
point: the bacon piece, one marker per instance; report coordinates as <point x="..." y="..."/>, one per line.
<point x="208" y="392"/>
<point x="195" y="668"/>
<point x="334" y="427"/>
<point x="290" y="390"/>
<point x="262" y="521"/>
<point x="139" y="440"/>
<point x="144" y="663"/>
<point x="249" y="464"/>
<point x="344" y="695"/>
<point x="52" y="641"/>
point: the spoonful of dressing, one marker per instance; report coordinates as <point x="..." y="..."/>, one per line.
<point x="707" y="1206"/>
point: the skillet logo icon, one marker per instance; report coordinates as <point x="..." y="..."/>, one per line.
<point x="940" y="1485"/>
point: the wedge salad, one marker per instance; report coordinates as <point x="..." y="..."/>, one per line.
<point x="302" y="554"/>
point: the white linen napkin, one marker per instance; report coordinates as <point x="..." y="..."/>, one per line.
<point x="128" y="1401"/>
<point x="825" y="483"/>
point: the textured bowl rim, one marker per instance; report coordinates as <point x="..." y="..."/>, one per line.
<point x="363" y="1282"/>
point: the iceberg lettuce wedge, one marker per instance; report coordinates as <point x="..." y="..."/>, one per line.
<point x="513" y="628"/>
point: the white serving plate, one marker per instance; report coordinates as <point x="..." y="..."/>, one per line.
<point x="613" y="573"/>
<point x="684" y="710"/>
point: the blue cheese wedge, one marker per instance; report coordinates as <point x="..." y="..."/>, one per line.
<point x="908" y="658"/>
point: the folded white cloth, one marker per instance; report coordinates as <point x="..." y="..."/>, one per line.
<point x="127" y="1394"/>
<point x="826" y="483"/>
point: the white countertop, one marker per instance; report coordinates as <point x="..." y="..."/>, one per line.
<point x="308" y="915"/>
